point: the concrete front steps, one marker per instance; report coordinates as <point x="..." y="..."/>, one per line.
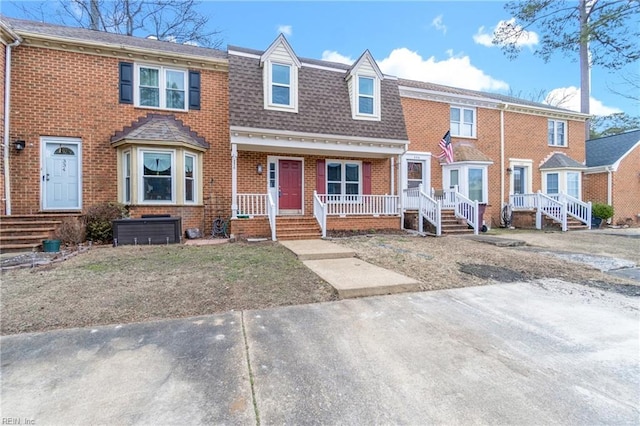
<point x="26" y="232"/>
<point x="297" y="228"/>
<point x="350" y="276"/>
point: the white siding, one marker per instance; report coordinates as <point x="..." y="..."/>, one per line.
<point x="280" y="54"/>
<point x="365" y="68"/>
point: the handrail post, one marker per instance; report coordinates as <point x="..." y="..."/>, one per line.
<point x="589" y="215"/>
<point x="439" y="218"/>
<point x="477" y="220"/>
<point x="420" y="207"/>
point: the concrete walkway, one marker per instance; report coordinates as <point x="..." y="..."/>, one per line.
<point x="350" y="276"/>
<point x="512" y="354"/>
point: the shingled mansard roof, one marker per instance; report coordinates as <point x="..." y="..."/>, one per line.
<point x="607" y="151"/>
<point x="159" y="128"/>
<point x="323" y="100"/>
<point x="24" y="28"/>
<point x="560" y="160"/>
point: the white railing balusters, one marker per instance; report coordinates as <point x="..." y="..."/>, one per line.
<point x="468" y="210"/>
<point x="252" y="204"/>
<point x="271" y="209"/>
<point x="320" y="213"/>
<point x="362" y="205"/>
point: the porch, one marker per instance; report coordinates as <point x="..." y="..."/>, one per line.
<point x="562" y="209"/>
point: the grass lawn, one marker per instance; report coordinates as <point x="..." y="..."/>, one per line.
<point x="129" y="284"/>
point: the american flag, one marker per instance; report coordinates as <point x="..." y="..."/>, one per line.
<point x="447" y="148"/>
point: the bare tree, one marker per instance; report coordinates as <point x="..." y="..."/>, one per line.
<point x="594" y="29"/>
<point x="630" y="87"/>
<point x="177" y="21"/>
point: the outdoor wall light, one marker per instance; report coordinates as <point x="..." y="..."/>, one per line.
<point x="509" y="170"/>
<point x="20" y="144"/>
<point x="259" y="169"/>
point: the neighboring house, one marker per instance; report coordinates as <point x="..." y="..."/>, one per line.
<point x="613" y="175"/>
<point x="312" y="139"/>
<point x="104" y="117"/>
<point x="503" y="146"/>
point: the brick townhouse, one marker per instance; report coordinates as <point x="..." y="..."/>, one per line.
<point x="97" y="117"/>
<point x="285" y="146"/>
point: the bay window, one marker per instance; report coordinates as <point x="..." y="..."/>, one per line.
<point x="189" y="178"/>
<point x="157" y="176"/>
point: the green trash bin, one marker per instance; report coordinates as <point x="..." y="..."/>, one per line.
<point x="50" y="246"/>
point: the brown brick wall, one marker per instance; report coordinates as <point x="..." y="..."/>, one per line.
<point x="362" y="223"/>
<point x="2" y="92"/>
<point x="595" y="187"/>
<point x="257" y="227"/>
<point x="626" y="190"/>
<point x="68" y="94"/>
<point x="525" y="137"/>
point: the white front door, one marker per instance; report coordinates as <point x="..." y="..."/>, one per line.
<point x="61" y="174"/>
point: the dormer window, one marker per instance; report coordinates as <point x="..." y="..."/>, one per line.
<point x="366" y="95"/>
<point x="280" y="76"/>
<point x="364" y="81"/>
<point x="281" y="85"/>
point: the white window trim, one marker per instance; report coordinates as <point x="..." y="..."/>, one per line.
<point x="357" y="115"/>
<point x="555" y="134"/>
<point x="423" y="157"/>
<point x="463" y="177"/>
<point x="268" y="85"/>
<point x="126" y="154"/>
<point x="140" y="175"/>
<point x="563" y="180"/>
<point x="343" y="182"/>
<point x="162" y="86"/>
<point x="528" y="165"/>
<point x="474" y="133"/>
<point x="196" y="189"/>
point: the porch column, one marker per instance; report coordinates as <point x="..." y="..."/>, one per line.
<point x="234" y="180"/>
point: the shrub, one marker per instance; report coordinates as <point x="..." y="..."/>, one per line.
<point x="71" y="231"/>
<point x="601" y="210"/>
<point x="99" y="219"/>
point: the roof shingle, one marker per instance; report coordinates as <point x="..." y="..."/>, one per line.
<point x="606" y="151"/>
<point x="323" y="102"/>
<point x="560" y="161"/>
<point x="160" y="128"/>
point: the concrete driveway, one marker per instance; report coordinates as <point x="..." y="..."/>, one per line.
<point x="546" y="352"/>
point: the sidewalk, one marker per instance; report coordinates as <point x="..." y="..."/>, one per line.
<point x="350" y="276"/>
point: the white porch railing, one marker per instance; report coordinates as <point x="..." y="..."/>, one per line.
<point x="468" y="210"/>
<point x="555" y="206"/>
<point x="576" y="208"/>
<point x="366" y="205"/>
<point x="253" y="205"/>
<point x="555" y="209"/>
<point x="271" y="210"/>
<point x="320" y="213"/>
<point x="447" y="197"/>
<point x="411" y="198"/>
<point x="431" y="210"/>
<point x="524" y="201"/>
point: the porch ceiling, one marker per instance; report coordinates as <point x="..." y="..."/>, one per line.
<point x="284" y="142"/>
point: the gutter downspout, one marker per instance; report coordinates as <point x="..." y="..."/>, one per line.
<point x="502" y="169"/>
<point x="609" y="189"/>
<point x="7" y="114"/>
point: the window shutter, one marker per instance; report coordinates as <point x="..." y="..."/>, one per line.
<point x="126" y="83"/>
<point x="321" y="177"/>
<point x="194" y="89"/>
<point x="366" y="178"/>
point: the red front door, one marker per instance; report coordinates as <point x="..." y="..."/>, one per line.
<point x="290" y="180"/>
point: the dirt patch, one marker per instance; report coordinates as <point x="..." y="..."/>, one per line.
<point x="504" y="275"/>
<point x="129" y="284"/>
<point x="437" y="262"/>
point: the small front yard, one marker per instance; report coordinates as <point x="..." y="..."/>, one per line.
<point x="129" y="284"/>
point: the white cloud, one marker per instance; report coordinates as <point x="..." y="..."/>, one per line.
<point x="285" y="29"/>
<point x="438" y="25"/>
<point x="569" y="98"/>
<point x="455" y="71"/>
<point x="509" y="29"/>
<point x="333" y="56"/>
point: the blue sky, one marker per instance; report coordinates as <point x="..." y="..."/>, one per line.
<point x="437" y="41"/>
